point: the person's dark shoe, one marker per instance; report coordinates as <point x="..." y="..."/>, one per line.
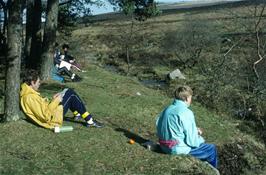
<point x="76" y="78"/>
<point x="95" y="124"/>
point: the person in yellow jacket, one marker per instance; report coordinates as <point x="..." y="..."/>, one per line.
<point x="50" y="114"/>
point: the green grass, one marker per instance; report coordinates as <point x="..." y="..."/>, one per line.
<point x="112" y="99"/>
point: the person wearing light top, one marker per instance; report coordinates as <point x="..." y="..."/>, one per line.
<point x="177" y="130"/>
<point x="62" y="68"/>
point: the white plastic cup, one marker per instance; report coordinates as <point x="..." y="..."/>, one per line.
<point x="58" y="129"/>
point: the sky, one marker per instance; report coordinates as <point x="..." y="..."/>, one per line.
<point x="108" y="8"/>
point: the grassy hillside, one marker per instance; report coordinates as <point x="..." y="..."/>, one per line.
<point x="215" y="48"/>
<point x="129" y="109"/>
<point x="113" y="99"/>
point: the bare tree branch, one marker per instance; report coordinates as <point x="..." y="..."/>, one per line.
<point x="260" y="17"/>
<point x="257" y="29"/>
<point x="228" y="51"/>
<point x="232" y="47"/>
<point x="259" y="55"/>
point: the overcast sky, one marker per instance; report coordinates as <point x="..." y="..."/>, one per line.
<point x="108" y="8"/>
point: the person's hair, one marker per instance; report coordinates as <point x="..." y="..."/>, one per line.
<point x="30" y="75"/>
<point x="56" y="44"/>
<point x="65" y="46"/>
<point x="183" y="92"/>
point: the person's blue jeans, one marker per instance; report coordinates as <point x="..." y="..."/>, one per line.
<point x="72" y="101"/>
<point x="206" y="152"/>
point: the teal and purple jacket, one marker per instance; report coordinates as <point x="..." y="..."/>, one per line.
<point x="177" y="130"/>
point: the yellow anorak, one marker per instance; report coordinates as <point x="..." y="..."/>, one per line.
<point x="37" y="108"/>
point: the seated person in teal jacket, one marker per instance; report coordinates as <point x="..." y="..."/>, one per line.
<point x="177" y="130"/>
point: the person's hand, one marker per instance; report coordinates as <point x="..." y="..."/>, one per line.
<point x="200" y="131"/>
<point x="58" y="97"/>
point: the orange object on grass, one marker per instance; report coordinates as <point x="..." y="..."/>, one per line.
<point x="131" y="141"/>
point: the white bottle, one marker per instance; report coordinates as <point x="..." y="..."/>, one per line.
<point x="58" y="129"/>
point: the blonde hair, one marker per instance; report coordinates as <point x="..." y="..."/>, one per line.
<point x="183" y="92"/>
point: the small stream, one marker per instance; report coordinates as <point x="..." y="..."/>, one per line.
<point x="150" y="83"/>
<point x="155" y="84"/>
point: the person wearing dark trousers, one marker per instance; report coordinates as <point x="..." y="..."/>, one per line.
<point x="65" y="56"/>
<point x="71" y="75"/>
<point x="49" y="114"/>
<point x="72" y="101"/>
<point x="62" y="70"/>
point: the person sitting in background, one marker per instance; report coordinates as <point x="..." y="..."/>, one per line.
<point x="64" y="56"/>
<point x="56" y="76"/>
<point x="50" y="114"/>
<point x="67" y="57"/>
<point x="62" y="69"/>
<point x="177" y="130"/>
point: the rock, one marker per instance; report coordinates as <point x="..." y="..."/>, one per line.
<point x="176" y="74"/>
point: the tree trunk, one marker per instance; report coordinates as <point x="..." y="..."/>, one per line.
<point x="4" y="6"/>
<point x="49" y="38"/>
<point x="33" y="34"/>
<point x="29" y="23"/>
<point x="129" y="43"/>
<point x="12" y="81"/>
<point x="36" y="44"/>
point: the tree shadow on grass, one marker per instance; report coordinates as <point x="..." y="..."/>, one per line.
<point x="132" y="135"/>
<point x="2" y="118"/>
<point x="69" y="119"/>
<point x="73" y="120"/>
<point x="140" y="140"/>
